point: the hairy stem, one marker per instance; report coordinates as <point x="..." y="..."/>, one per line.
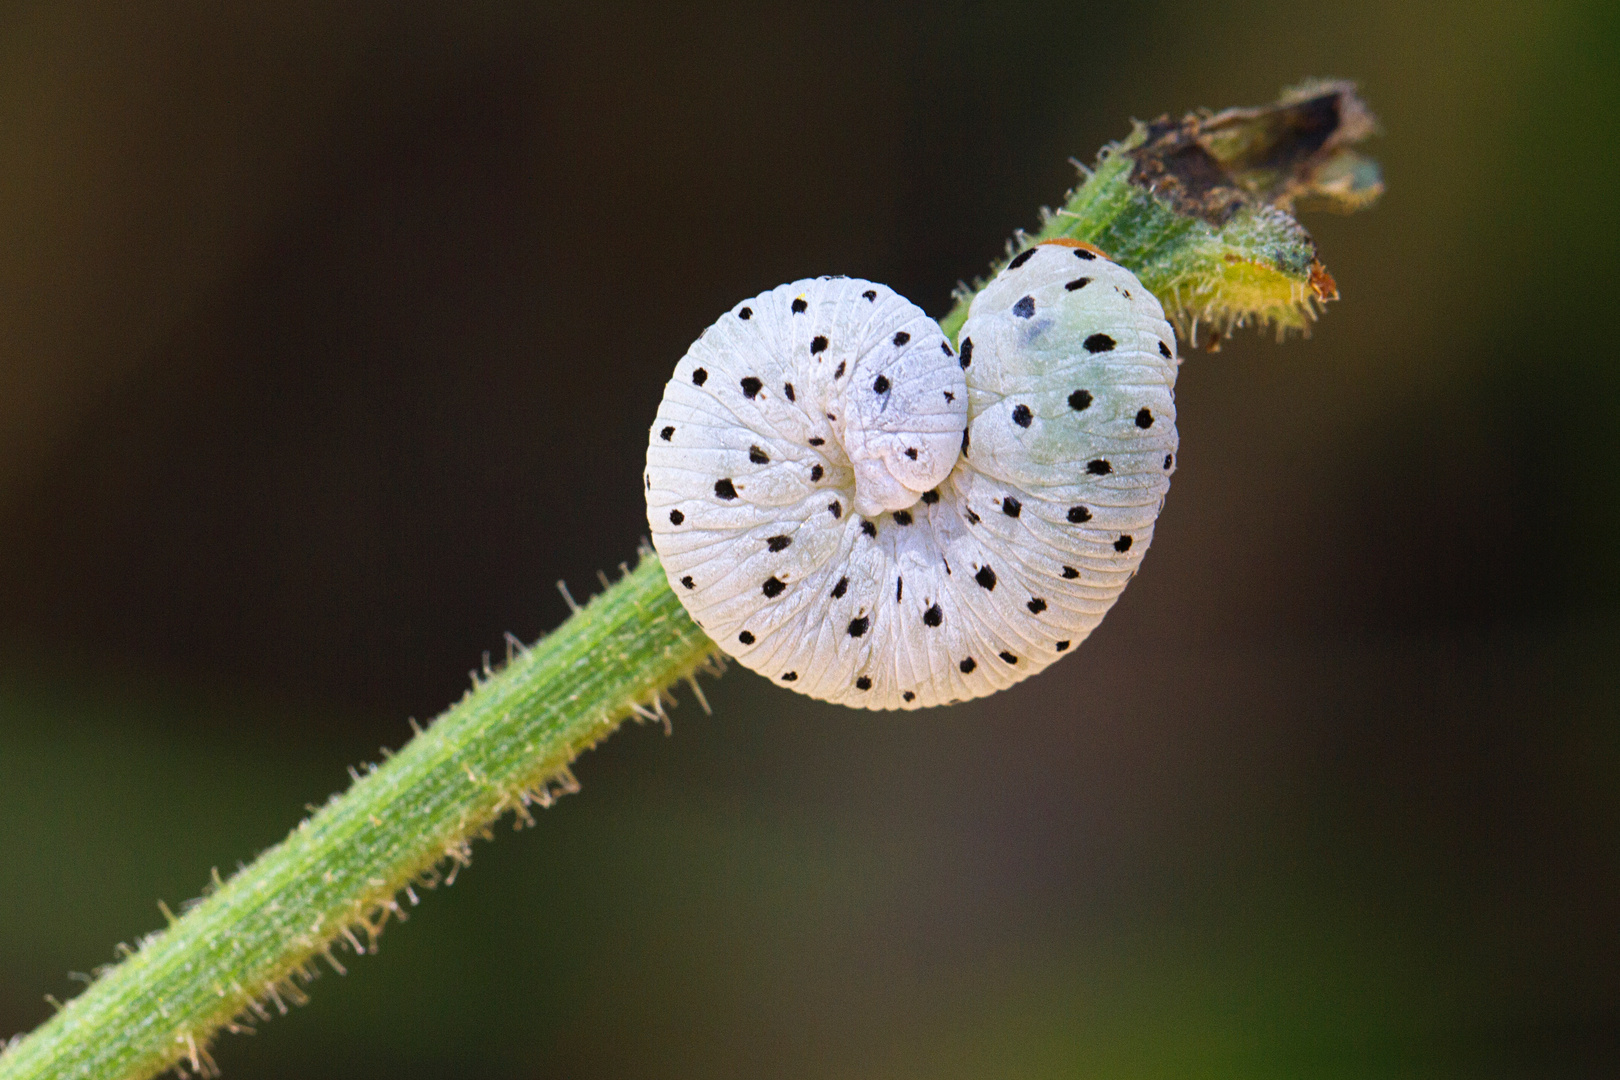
<point x="1201" y="209"/>
<point x="244" y="950"/>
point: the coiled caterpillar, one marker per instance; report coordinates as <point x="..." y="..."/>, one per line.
<point x="859" y="511"/>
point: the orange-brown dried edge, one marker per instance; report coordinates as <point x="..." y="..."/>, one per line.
<point x="1064" y="241"/>
<point x="1322" y="283"/>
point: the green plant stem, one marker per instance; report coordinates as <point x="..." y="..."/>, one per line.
<point x="1199" y="208"/>
<point x="343" y="872"/>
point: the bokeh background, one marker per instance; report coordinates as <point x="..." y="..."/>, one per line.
<point x="329" y="337"/>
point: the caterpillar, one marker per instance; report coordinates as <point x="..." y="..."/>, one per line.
<point x="856" y="508"/>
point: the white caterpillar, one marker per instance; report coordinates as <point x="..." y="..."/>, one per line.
<point x="856" y="510"/>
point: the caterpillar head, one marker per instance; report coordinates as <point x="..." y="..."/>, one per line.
<point x="902" y="417"/>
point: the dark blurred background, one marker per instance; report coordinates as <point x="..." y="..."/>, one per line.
<point x="329" y="338"/>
